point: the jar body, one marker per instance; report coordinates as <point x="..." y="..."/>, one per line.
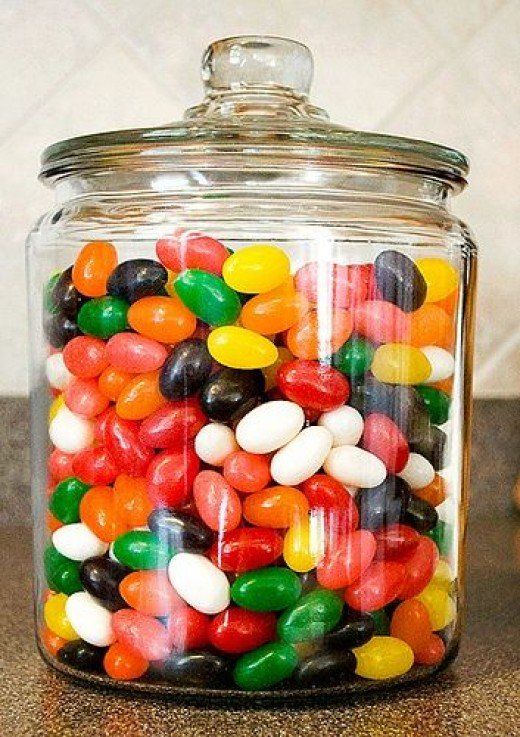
<point x="257" y="472"/>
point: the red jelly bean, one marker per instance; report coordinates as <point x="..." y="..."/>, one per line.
<point x="187" y="628"/>
<point x="347" y="560"/>
<point x="394" y="540"/>
<point x="190" y="250"/>
<point x="345" y="285"/>
<point x="59" y="465"/>
<point x="324" y="492"/>
<point x="100" y="422"/>
<point x="379" y="585"/>
<point x="432" y="652"/>
<point x="420" y="564"/>
<point x="384" y="439"/>
<point x="122" y="440"/>
<point x="95" y="466"/>
<point x="85" y="356"/>
<point x="170" y="477"/>
<point x="142" y="634"/>
<point x="381" y="322"/>
<point x="135" y="354"/>
<point x="83" y="397"/>
<point x="246" y="548"/>
<point x="247" y="472"/>
<point x="217" y="502"/>
<point x="313" y="385"/>
<point x="173" y="424"/>
<point x="238" y="630"/>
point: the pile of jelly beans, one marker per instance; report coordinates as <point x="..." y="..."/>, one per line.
<point x="246" y="466"/>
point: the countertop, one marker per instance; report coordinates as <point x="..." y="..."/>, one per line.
<point x="479" y="695"/>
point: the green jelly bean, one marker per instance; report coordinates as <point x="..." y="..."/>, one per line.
<point x="354" y="358"/>
<point x="381" y="622"/>
<point x="48" y="302"/>
<point x="142" y="550"/>
<point x="442" y="536"/>
<point x="437" y="403"/>
<point x="66" y="498"/>
<point x="266" y="589"/>
<point x="311" y="617"/>
<point x="265" y="666"/>
<point x="62" y="574"/>
<point x="103" y="317"/>
<point x="208" y="296"/>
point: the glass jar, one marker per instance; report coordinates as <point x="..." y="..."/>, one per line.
<point x="251" y="338"/>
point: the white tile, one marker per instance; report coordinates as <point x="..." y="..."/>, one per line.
<point x="454" y="21"/>
<point x="500" y="376"/>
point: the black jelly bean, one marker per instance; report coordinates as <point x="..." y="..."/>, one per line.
<point x="138" y="278"/>
<point x="82" y="656"/>
<point x="230" y="393"/>
<point x="181" y="531"/>
<point x="401" y="403"/>
<point x="101" y="578"/>
<point x="325" y="668"/>
<point x="399" y="280"/>
<point x="186" y="369"/>
<point x="430" y="443"/>
<point x="60" y="329"/>
<point x="353" y="630"/>
<point x="196" y="668"/>
<point x="65" y="296"/>
<point x="420" y="515"/>
<point x="384" y="504"/>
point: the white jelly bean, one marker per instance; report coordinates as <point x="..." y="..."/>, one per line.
<point x="214" y="443"/>
<point x="270" y="426"/>
<point x="302" y="457"/>
<point x="78" y="542"/>
<point x="200" y="583"/>
<point x="57" y="373"/>
<point x="92" y="622"/>
<point x="71" y="433"/>
<point x="355" y="467"/>
<point x="418" y="471"/>
<point x="442" y="363"/>
<point x="345" y="424"/>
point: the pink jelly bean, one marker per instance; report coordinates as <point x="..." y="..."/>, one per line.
<point x="135" y="354"/>
<point x="347" y="560"/>
<point x="217" y="502"/>
<point x="59" y="465"/>
<point x="190" y="250"/>
<point x="381" y="322"/>
<point x="82" y="396"/>
<point x="344" y="286"/>
<point x="85" y="356"/>
<point x="141" y="633"/>
<point x="379" y="585"/>
<point x="384" y="439"/>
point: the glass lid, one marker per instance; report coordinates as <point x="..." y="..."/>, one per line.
<point x="256" y="108"/>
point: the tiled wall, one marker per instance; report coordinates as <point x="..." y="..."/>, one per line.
<point x="446" y="70"/>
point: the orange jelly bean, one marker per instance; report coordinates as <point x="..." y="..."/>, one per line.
<point x="449" y="303"/>
<point x="411" y="623"/>
<point x="431" y="325"/>
<point x="131" y="500"/>
<point x="435" y="493"/>
<point x="165" y="319"/>
<point x="53" y="524"/>
<point x="276" y="506"/>
<point x="98" y="511"/>
<point x="112" y="381"/>
<point x="275" y="311"/>
<point x="446" y="385"/>
<point x="123" y="664"/>
<point x="140" y="397"/>
<point x="150" y="592"/>
<point x="51" y="642"/>
<point x="316" y="336"/>
<point x="93" y="266"/>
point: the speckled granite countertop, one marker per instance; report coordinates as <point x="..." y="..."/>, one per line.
<point x="479" y="695"/>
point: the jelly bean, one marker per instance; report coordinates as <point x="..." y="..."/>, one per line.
<point x="311" y="617"/>
<point x="246" y="548"/>
<point x="214" y="443"/>
<point x="270" y="426"/>
<point x="344" y="286"/>
<point x="441" y="607"/>
<point x="317" y="336"/>
<point x="90" y="620"/>
<point x="381" y="622"/>
<point x="56" y="618"/>
<point x="137" y="278"/>
<point x="165" y="319"/>
<point x="271" y="372"/>
<point x="302" y="457"/>
<point x="135" y="354"/>
<point x="196" y="668"/>
<point x="345" y="563"/>
<point x="432" y="652"/>
<point x="411" y="623"/>
<point x="325" y="493"/>
<point x="65" y="500"/>
<point x="313" y="385"/>
<point x="396" y="363"/>
<point x="344" y="423"/>
<point x="56" y="371"/>
<point x="434" y="493"/>
<point x="98" y="511"/>
<point x="216" y="501"/>
<point x="140" y="397"/>
<point x="173" y="424"/>
<point x="69" y="432"/>
<point x="95" y="466"/>
<point x="170" y="477"/>
<point x="443" y="576"/>
<point x="131" y="500"/>
<point x="231" y="393"/>
<point x="418" y="471"/>
<point x="355" y="466"/>
<point x="85" y="357"/>
<point x="265" y="666"/>
<point x="436" y="402"/>
<point x="382" y="437"/>
<point x="304" y="544"/>
<point x="142" y="550"/>
<point x="122" y="442"/>
<point x="246" y="472"/>
<point x="441" y="278"/>
<point x="60" y="329"/>
<point x="277" y="507"/>
<point x="181" y="531"/>
<point x="275" y="311"/>
<point x="379" y="585"/>
<point x="395" y="539"/>
<point x="94" y="264"/>
<point x="51" y="642"/>
<point x="399" y="280"/>
<point x="353" y="630"/>
<point x="61" y="573"/>
<point x="354" y="358"/>
<point x="441" y="361"/>
<point x="112" y="381"/>
<point x="208" y="297"/>
<point x="83" y="397"/>
<point x="123" y="664"/>
<point x="101" y="578"/>
<point x="431" y="325"/>
<point x="256" y="269"/>
<point x="384" y="504"/>
<point x="401" y="403"/>
<point x="65" y="297"/>
<point x="57" y="404"/>
<point x="191" y="250"/>
<point x="141" y="634"/>
<point x="78" y="542"/>
<point x="103" y="317"/>
<point x="200" y="583"/>
<point x="325" y="669"/>
<point x="382" y="658"/>
<point x="238" y="630"/>
<point x="381" y="322"/>
<point x="186" y="369"/>
<point x="48" y="302"/>
<point x="52" y="523"/>
<point x="187" y="628"/>
<point x="266" y="589"/>
<point x="149" y="592"/>
<point x="420" y="564"/>
<point x="240" y="348"/>
<point x="82" y="656"/>
<point x="420" y="514"/>
<point x="431" y="444"/>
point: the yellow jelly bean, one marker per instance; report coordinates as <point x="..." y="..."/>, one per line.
<point x="284" y="355"/>
<point x="441" y="608"/>
<point x="440" y="276"/>
<point x="169" y="286"/>
<point x="240" y="348"/>
<point x="398" y="363"/>
<point x="56" y="618"/>
<point x="383" y="657"/>
<point x="443" y="576"/>
<point x="304" y="544"/>
<point x="255" y="269"/>
<point x="55" y="407"/>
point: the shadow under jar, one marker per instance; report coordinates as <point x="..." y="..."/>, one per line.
<point x="251" y="341"/>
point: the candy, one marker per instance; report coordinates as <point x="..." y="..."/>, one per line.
<point x="65" y="297"/>
<point x="269" y="426"/>
<point x="185" y="370"/>
<point x="85" y="356"/>
<point x="311" y="617"/>
<point x="354" y="358"/>
<point x="56" y="619"/>
<point x="78" y="542"/>
<point x="246" y="548"/>
<point x="103" y="317"/>
<point x="90" y="620"/>
<point x="131" y="500"/>
<point x="69" y="432"/>
<point x="312" y="385"/>
<point x="216" y="501"/>
<point x="420" y="564"/>
<point x="122" y="440"/>
<point x="138" y="278"/>
<point x="101" y="577"/>
<point x="411" y="623"/>
<point x="379" y="585"/>
<point x="353" y="630"/>
<point x="140" y="397"/>
<point x="240" y="348"/>
<point x="440" y="606"/>
<point x="384" y="504"/>
<point x="420" y="514"/>
<point x="246" y="472"/>
<point x="264" y="667"/>
<point x="432" y="652"/>
<point x="436" y="402"/>
<point x="191" y="250"/>
<point x="208" y="297"/>
<point x="135" y="354"/>
<point x="99" y="513"/>
<point x="277" y="507"/>
<point x="61" y="573"/>
<point x="65" y="500"/>
<point x="196" y="668"/>
<point x="142" y="550"/>
<point x="440" y="276"/>
<point x="83" y="397"/>
<point x="266" y="589"/>
<point x="60" y="329"/>
<point x="56" y="371"/>
<point x="187" y="628"/>
<point x="172" y="425"/>
<point x="397" y="363"/>
<point x="381" y="322"/>
<point x="237" y="630"/>
<point x="354" y="466"/>
<point x="399" y="280"/>
<point x="443" y="576"/>
<point x="301" y="457"/>
<point x="344" y="423"/>
<point x="304" y="544"/>
<point x="441" y="361"/>
<point x="347" y="561"/>
<point x="170" y="477"/>
<point x="82" y="656"/>
<point x="274" y="311"/>
<point x="342" y="286"/>
<point x="92" y="267"/>
<point x="229" y="394"/>
<point x="200" y="583"/>
<point x="181" y="531"/>
<point x="95" y="466"/>
<point x="395" y="539"/>
<point x="431" y="325"/>
<point x="418" y="471"/>
<point x="214" y="443"/>
<point x="382" y="437"/>
<point x="382" y="658"/>
<point x="123" y="664"/>
<point x="141" y="634"/>
<point x="401" y="403"/>
<point x="317" y="336"/>
<point x="256" y="269"/>
<point x="327" y="494"/>
<point x="112" y="381"/>
<point x="431" y="444"/>
<point x="325" y="669"/>
<point x="149" y="592"/>
<point x="164" y="319"/>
